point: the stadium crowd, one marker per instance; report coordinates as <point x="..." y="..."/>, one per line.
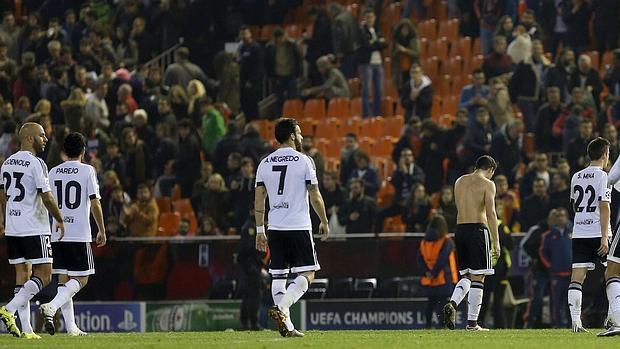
<point x="533" y="102"/>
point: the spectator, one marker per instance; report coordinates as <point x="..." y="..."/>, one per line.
<point x="145" y="132"/>
<point x="358" y="213"/>
<point x="8" y="71"/>
<point x="562" y="166"/>
<point x="201" y="185"/>
<point x="447" y="207"/>
<point x="568" y="123"/>
<point x="144" y="40"/>
<point x="165" y="148"/>
<point x="125" y="48"/>
<point x="505" y="28"/>
<point x="526" y="88"/>
<point x="142" y="216"/>
<point x="252" y="145"/>
<point x="539" y="168"/>
<point x="166" y="116"/>
<point x="437" y="260"/>
<point x="213" y="126"/>
<point x="432" y="155"/>
<point x="185" y="169"/>
<point x="403" y="178"/>
<point x="556" y="255"/>
<point x="551" y="17"/>
<point x="539" y="59"/>
<point x="233" y="169"/>
<point x="56" y="93"/>
<point x="560" y="74"/>
<point x="367" y="173"/>
<point x="87" y="58"/>
<point x="227" y="145"/>
<point x="347" y="162"/>
<point x="510" y="202"/>
<point x="560" y="192"/>
<point x="283" y="66"/>
<point x="606" y="24"/>
<point x="96" y="105"/>
<point x="74" y="109"/>
<point x="578" y="21"/>
<point x="475" y="95"/>
<point x="420" y="6"/>
<point x="23" y="109"/>
<point x="499" y="104"/>
<point x="535" y="206"/>
<point x="587" y="78"/>
<point x="345" y="38"/>
<point x="250" y="59"/>
<point x="532" y="28"/>
<point x="114" y="161"/>
<point x="417" y="94"/>
<point x="182" y="71"/>
<point x="478" y="138"/>
<point x="165" y="182"/>
<point x="313" y="152"/>
<point x="371" y="64"/>
<point x="137" y="159"/>
<point x="114" y="212"/>
<point x="242" y="193"/>
<point x="334" y="83"/>
<point x="9" y="34"/>
<point x="320" y="44"/>
<point x="577" y="150"/>
<point x="334" y="198"/>
<point x="612" y="78"/>
<point x="611" y="134"/>
<point x="196" y="93"/>
<point x="497" y="63"/>
<point x="411" y="138"/>
<point x="417" y="209"/>
<point x="179" y="102"/>
<point x="125" y="96"/>
<point x="215" y="202"/>
<point x="505" y="146"/>
<point x="454" y="143"/>
<point x="227" y="73"/>
<point x="405" y="51"/>
<point x="490" y="12"/>
<point x="546" y="140"/>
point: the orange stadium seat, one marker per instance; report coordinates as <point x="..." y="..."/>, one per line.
<point x="351" y="125"/>
<point x="372" y="127"/>
<point x="428" y="29"/>
<point x="387" y="66"/>
<point x="450" y="29"/>
<point x="443" y="85"/>
<point x="383" y="147"/>
<point x="293" y="108"/>
<point x="354" y="86"/>
<point x="423" y="48"/>
<point x="439" y="48"/>
<point x="339" y="107"/>
<point x="366" y="144"/>
<point x="176" y="192"/>
<point x="430" y="67"/>
<point x="449" y="105"/>
<point x="315" y="108"/>
<point x="168" y="224"/>
<point x="356" y="106"/>
<point x="393" y="126"/>
<point x="323" y="130"/>
<point x="477" y="47"/>
<point x="385" y="193"/>
<point x="436" y="107"/>
<point x="453" y="66"/>
<point x="389" y="90"/>
<point x="164" y="203"/>
<point x="307" y="125"/>
<point x="463" y="47"/>
<point x="184" y="208"/>
<point x="387" y="106"/>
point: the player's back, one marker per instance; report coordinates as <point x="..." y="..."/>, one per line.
<point x="23" y="176"/>
<point x="588" y="188"/>
<point x="74" y="184"/>
<point x="469" y="195"/>
<point x="285" y="173"/>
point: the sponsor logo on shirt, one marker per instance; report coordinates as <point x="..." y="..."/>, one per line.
<point x="15" y="213"/>
<point x="585" y="222"/>
<point x="69" y="219"/>
<point x="280" y="205"/>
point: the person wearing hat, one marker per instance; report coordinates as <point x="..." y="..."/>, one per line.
<point x="185" y="165"/>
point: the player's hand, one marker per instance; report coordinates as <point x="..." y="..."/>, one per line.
<point x="60" y="226"/>
<point x="602" y="251"/>
<point x="324" y="231"/>
<point x="101" y="239"/>
<point x="261" y="242"/>
<point x="495" y="252"/>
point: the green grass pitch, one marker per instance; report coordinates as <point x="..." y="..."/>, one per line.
<point x="440" y="339"/>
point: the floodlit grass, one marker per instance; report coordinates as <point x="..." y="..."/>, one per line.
<point x="440" y="339"/>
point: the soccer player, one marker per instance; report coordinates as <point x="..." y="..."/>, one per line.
<point x="474" y="194"/>
<point x="76" y="189"/>
<point x="287" y="176"/>
<point x="590" y="196"/>
<point x="26" y="194"/>
<point x="612" y="273"/>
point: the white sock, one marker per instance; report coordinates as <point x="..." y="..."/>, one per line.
<point x="25" y="294"/>
<point x="613" y="295"/>
<point x="278" y="290"/>
<point x="295" y="290"/>
<point x="69" y="316"/>
<point x="574" y="302"/>
<point x="460" y="290"/>
<point x="474" y="300"/>
<point x="24" y="313"/>
<point x="65" y="292"/>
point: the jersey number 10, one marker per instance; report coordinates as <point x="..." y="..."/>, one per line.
<point x="67" y="194"/>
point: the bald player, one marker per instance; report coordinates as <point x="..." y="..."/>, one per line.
<point x="26" y="195"/>
<point x="474" y="194"/>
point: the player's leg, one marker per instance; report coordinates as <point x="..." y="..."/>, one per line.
<point x="474" y="300"/>
<point x="461" y="289"/>
<point x="279" y="269"/>
<point x="578" y="276"/>
<point x="612" y="277"/>
<point x="480" y="265"/>
<point x="21" y="276"/>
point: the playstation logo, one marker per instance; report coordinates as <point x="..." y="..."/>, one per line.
<point x="127" y="324"/>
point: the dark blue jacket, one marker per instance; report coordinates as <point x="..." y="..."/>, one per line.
<point x="556" y="252"/>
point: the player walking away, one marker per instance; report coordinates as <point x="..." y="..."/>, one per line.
<point x="474" y="194"/>
<point x="76" y="189"/>
<point x="590" y="196"/>
<point x="287" y="176"/>
<point x="26" y="194"/>
<point x="612" y="273"/>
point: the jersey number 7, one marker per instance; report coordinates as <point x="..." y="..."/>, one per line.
<point x="282" y="170"/>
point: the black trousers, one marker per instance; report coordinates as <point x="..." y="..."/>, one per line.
<point x="250" y="296"/>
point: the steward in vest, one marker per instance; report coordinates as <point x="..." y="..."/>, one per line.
<point x="438" y="263"/>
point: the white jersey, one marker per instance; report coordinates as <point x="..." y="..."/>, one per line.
<point x="589" y="187"/>
<point x="285" y="174"/>
<point x="74" y="185"/>
<point x="24" y="176"/>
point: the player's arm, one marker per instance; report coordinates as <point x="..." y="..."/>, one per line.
<point x="260" y="194"/>
<point x="316" y="200"/>
<point x="605" y="212"/>
<point x="97" y="211"/>
<point x="614" y="173"/>
<point x="489" y="203"/>
<point x="2" y="207"/>
<point x="52" y="207"/>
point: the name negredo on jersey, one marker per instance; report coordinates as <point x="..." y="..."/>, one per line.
<point x="74" y="184"/>
<point x="588" y="188"/>
<point x="285" y="173"/>
<point x="23" y="177"/>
